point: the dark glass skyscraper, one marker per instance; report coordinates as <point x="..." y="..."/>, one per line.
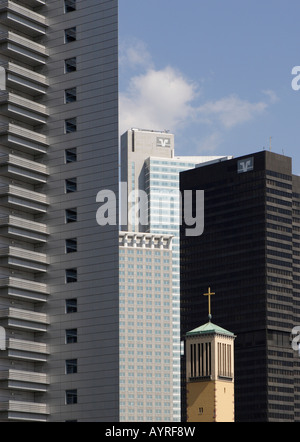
<point x="250" y="255"/>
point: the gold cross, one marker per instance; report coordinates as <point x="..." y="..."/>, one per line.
<point x="209" y="294"/>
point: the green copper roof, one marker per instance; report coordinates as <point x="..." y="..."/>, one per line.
<point x="209" y="329"/>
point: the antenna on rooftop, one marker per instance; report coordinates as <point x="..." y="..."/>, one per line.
<point x="270" y="144"/>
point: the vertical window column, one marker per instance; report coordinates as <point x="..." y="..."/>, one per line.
<point x="70" y="157"/>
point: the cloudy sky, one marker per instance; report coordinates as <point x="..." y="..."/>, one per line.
<point x="216" y="74"/>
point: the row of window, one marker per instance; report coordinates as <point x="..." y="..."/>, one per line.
<point x="70" y="66"/>
<point x="71" y="335"/>
<point x="71" y="365"/>
<point x="71" y="215"/>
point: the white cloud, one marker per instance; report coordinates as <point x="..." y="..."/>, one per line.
<point x="271" y="95"/>
<point x="165" y="99"/>
<point x="158" y="99"/>
<point x="134" y="54"/>
<point x="231" y="111"/>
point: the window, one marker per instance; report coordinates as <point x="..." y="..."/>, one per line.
<point x="71" y="306"/>
<point x="71" y="185"/>
<point x="71" y="245"/>
<point x="71" y="155"/>
<point x="71" y="276"/>
<point x="71" y="397"/>
<point x="70" y="125"/>
<point x="71" y="336"/>
<point x="70" y="35"/>
<point x="71" y="215"/>
<point x="71" y="366"/>
<point x="70" y="95"/>
<point x="70" y="65"/>
<point x="70" y="6"/>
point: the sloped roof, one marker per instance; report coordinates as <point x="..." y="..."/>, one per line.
<point x="208" y="329"/>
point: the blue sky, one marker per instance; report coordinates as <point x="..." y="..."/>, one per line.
<point x="216" y="74"/>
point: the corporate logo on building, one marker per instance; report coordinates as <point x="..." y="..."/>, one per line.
<point x="163" y="142"/>
<point x="246" y="165"/>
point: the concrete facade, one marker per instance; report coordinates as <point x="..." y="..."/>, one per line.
<point x="146" y="329"/>
<point x="59" y="268"/>
<point x="210" y="374"/>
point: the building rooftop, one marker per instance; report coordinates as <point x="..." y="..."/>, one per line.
<point x="208" y="329"/>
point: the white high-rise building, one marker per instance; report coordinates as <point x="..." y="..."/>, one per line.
<point x="59" y="292"/>
<point x="149" y="164"/>
<point x="146" y="327"/>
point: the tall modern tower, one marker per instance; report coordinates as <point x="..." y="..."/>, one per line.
<point x="146" y="327"/>
<point x="151" y="203"/>
<point x="249" y="253"/>
<point x="58" y="268"/>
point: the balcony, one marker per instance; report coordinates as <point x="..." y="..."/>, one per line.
<point x="25" y="80"/>
<point x="24" y="411"/>
<point x="20" y="168"/>
<point x="21" y="108"/>
<point x="22" y="259"/>
<point x="23" y="49"/>
<point x="24" y="315"/>
<point x="18" y="197"/>
<point x="24" y="380"/>
<point x="24" y="320"/>
<point x="22" y="19"/>
<point x="23" y="139"/>
<point x="24" y="229"/>
<point x="27" y="350"/>
<point x="24" y="289"/>
<point x="34" y="3"/>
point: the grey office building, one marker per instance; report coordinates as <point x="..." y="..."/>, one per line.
<point x="59" y="306"/>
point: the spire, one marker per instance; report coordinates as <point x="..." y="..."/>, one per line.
<point x="209" y="294"/>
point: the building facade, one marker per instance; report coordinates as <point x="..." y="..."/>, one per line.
<point x="249" y="253"/>
<point x="59" y="302"/>
<point x="210" y="374"/>
<point x="151" y="203"/>
<point x="146" y="330"/>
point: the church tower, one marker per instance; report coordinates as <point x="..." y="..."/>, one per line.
<point x="210" y="373"/>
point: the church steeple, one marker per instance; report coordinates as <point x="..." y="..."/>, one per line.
<point x="210" y="372"/>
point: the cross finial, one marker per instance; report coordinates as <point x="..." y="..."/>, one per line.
<point x="209" y="294"/>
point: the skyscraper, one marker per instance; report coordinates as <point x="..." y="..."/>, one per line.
<point x="151" y="203"/>
<point x="59" y="303"/>
<point x="249" y="253"/>
<point x="146" y="327"/>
